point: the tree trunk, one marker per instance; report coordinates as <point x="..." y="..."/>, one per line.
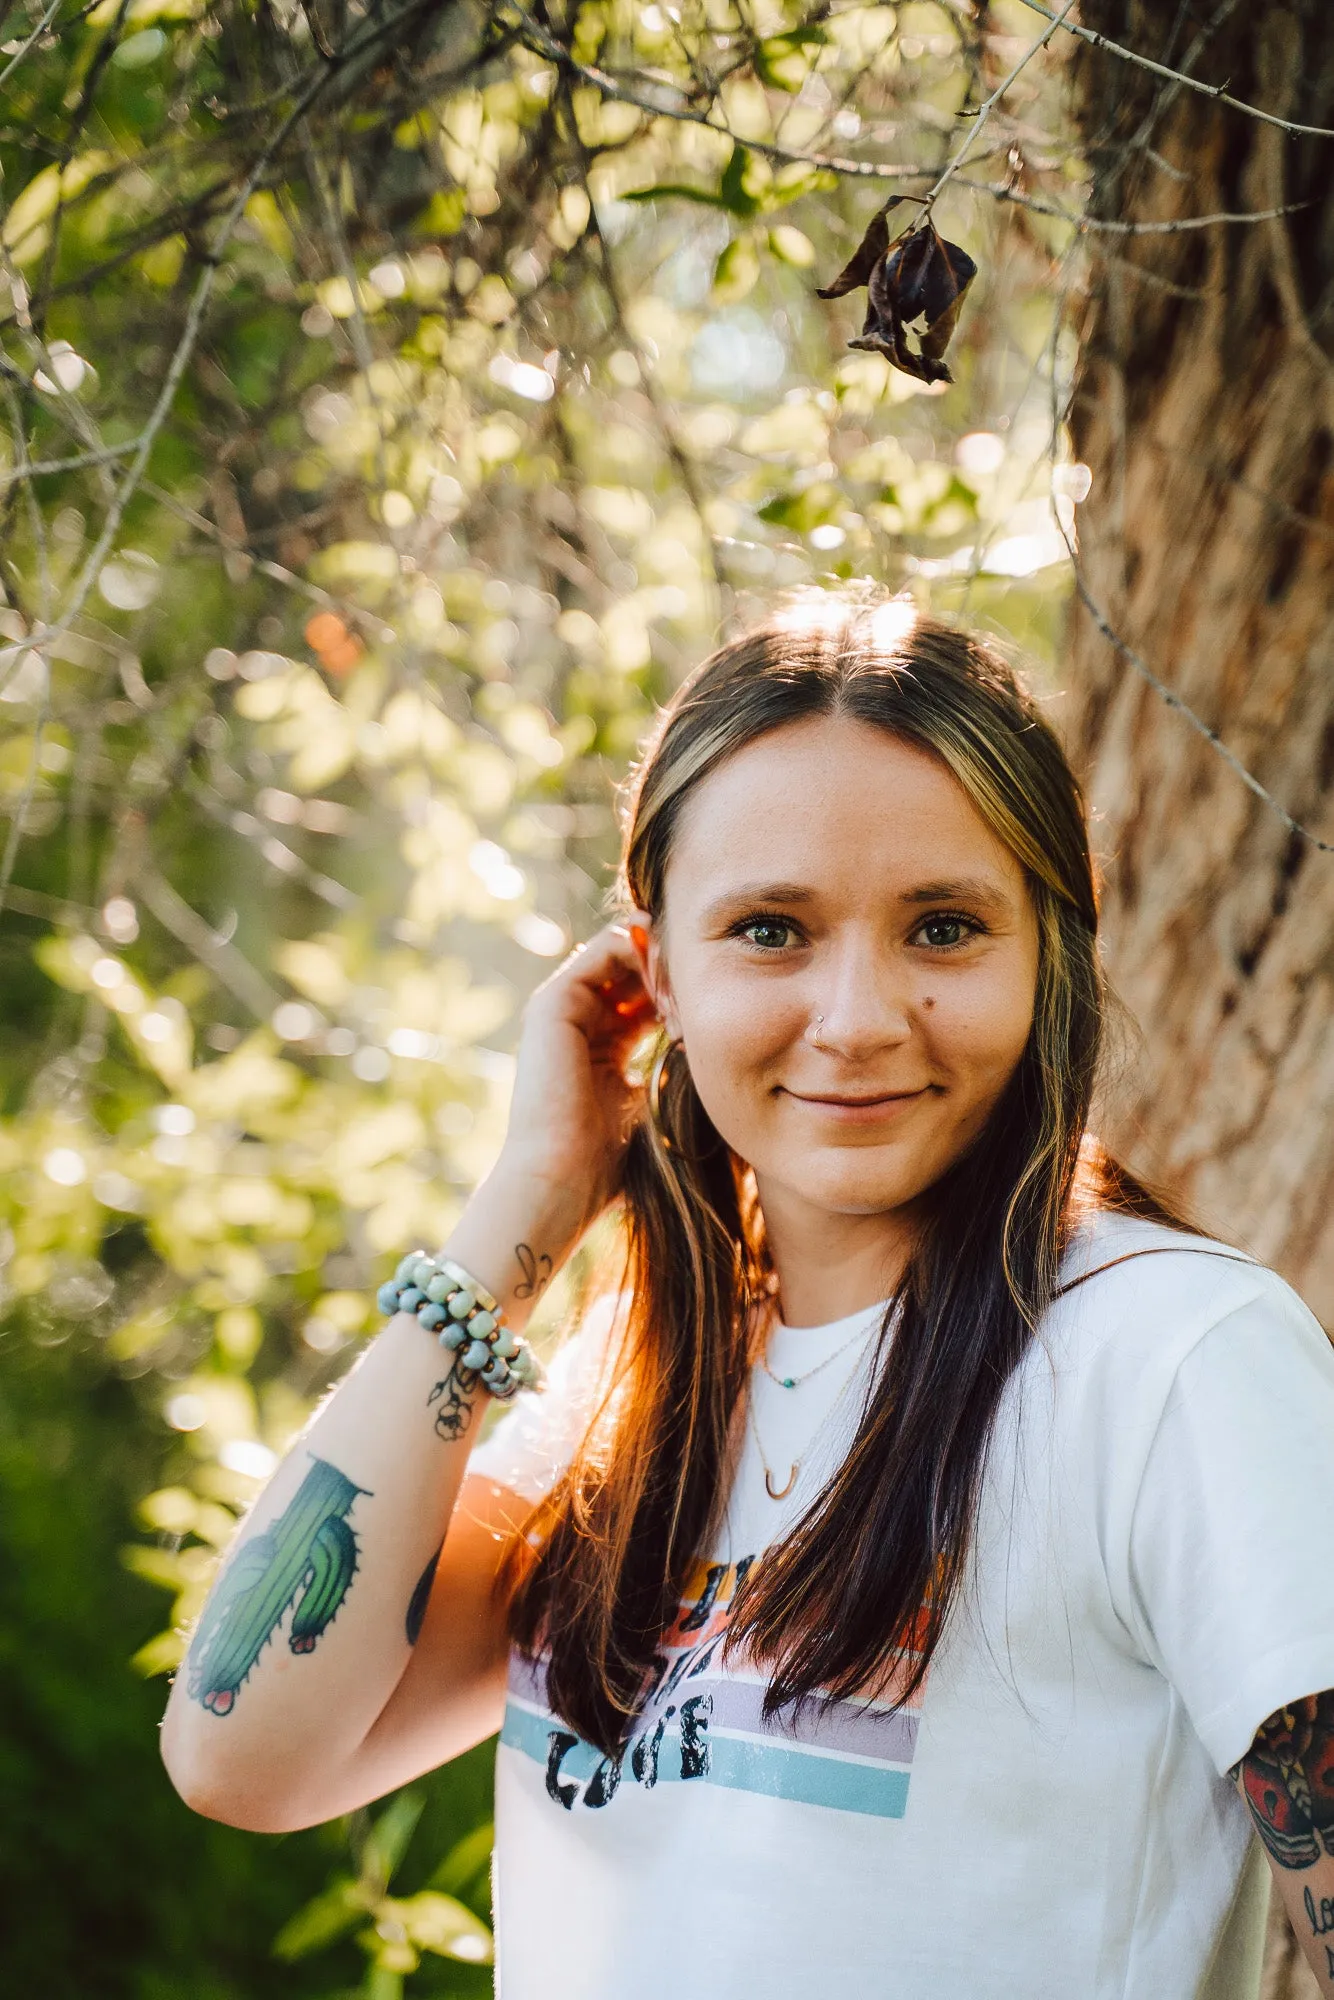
<point x="1204" y="406"/>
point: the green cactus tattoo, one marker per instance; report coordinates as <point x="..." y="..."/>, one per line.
<point x="309" y="1553"/>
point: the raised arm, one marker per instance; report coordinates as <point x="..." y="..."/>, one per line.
<point x="1287" y="1780"/>
<point x="353" y="1636"/>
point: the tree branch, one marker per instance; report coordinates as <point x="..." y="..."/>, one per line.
<point x="1179" y="77"/>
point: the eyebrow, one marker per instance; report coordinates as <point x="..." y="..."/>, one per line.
<point x="757" y="892"/>
<point x="962" y="889"/>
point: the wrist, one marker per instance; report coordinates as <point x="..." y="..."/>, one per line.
<point x="527" y="1182"/>
<point x="516" y="1232"/>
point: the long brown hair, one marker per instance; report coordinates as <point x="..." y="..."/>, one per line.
<point x="857" y="1594"/>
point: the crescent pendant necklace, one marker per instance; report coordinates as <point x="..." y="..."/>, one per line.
<point x="774" y="1491"/>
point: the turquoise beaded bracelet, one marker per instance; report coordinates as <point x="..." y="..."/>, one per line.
<point x="449" y="1302"/>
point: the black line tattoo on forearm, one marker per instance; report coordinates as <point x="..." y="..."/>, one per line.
<point x="452" y="1404"/>
<point x="1287" y="1780"/>
<point x="421" y="1597"/>
<point x="307" y="1556"/>
<point x="536" y="1270"/>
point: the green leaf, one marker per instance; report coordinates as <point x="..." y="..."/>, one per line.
<point x="675" y="190"/>
<point x="736" y="271"/>
<point x="444" y="214"/>
<point x="465" y="1860"/>
<point x="742" y="190"/>
<point x="383" y="1984"/>
<point x="803" y="511"/>
<point x="329" y="1916"/>
<point x="796" y="179"/>
<point x="734" y="191"/>
<point x="161" y="1654"/>
<point x="441" y="1924"/>
<point x="792" y="246"/>
<point x="781" y="61"/>
<point x="387" y="1841"/>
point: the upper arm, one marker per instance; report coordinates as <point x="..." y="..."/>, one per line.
<point x="1287" y="1781"/>
<point x="1228" y="1585"/>
<point x="451" y="1695"/>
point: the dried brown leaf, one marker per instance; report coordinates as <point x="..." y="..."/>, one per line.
<point x="914" y="290"/>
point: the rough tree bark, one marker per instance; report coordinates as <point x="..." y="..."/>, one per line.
<point x="1204" y="405"/>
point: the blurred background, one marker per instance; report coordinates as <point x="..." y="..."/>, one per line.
<point x="397" y="400"/>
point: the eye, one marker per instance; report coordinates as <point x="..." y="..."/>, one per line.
<point x="767" y="933"/>
<point x="946" y="932"/>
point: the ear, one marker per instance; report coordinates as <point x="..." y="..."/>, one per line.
<point x="647" y="942"/>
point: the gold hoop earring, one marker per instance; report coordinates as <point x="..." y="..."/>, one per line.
<point x="655" y="1083"/>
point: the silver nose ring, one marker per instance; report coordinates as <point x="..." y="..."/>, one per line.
<point x="816" y="1026"/>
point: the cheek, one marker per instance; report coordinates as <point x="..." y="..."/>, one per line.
<point x="733" y="1031"/>
<point x="980" y="1028"/>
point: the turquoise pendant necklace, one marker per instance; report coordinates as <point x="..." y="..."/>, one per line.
<point x="795" y="1381"/>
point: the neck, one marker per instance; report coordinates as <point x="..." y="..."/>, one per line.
<point x="830" y="1264"/>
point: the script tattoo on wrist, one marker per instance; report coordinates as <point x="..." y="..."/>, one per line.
<point x="536" y="1270"/>
<point x="452" y="1404"/>
<point x="1287" y="1780"/>
<point x="306" y="1557"/>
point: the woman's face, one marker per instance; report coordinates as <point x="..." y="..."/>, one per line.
<point x="830" y="869"/>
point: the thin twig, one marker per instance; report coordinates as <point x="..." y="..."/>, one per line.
<point x="36" y="36"/>
<point x="898" y="172"/>
<point x="1216" y="91"/>
<point x="1173" y="700"/>
<point x="22" y="804"/>
<point x="230" y="967"/>
<point x="357" y="614"/>
<point x="50" y="909"/>
<point x="1089" y="225"/>
<point x="41" y="467"/>
<point x="971" y="138"/>
<point x="185" y="346"/>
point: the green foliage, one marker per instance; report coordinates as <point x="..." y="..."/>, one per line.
<point x="495" y="392"/>
<point x="400" y="1928"/>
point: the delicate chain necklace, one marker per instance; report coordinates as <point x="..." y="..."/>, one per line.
<point x="793" y="1382"/>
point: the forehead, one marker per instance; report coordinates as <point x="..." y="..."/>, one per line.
<point x="838" y="805"/>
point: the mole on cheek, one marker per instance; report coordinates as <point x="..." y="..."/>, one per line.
<point x="928" y="1002"/>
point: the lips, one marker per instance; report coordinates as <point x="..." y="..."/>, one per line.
<point x="868" y="1102"/>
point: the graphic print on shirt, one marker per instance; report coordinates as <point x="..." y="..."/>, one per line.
<point x="704" y="1722"/>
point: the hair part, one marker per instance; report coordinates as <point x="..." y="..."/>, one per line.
<point x="855" y="1598"/>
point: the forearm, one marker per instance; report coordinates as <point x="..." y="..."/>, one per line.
<point x="311" y="1623"/>
<point x="1287" y="1780"/>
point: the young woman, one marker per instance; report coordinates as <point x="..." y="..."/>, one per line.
<point x="918" y="1563"/>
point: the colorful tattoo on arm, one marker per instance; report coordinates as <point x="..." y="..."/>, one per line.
<point x="421" y="1597"/>
<point x="1287" y="1780"/>
<point x="306" y="1557"/>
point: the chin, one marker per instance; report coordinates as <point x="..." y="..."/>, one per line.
<point x="847" y="1188"/>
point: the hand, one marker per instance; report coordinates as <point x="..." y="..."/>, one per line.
<point x="573" y="1108"/>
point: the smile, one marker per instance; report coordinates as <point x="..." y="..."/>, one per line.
<point x="882" y="1105"/>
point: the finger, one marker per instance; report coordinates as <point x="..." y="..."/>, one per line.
<point x="609" y="954"/>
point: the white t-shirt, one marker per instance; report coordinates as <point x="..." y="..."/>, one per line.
<point x="1051" y="1819"/>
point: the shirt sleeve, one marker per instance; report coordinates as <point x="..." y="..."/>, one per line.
<point x="1231" y="1550"/>
<point x="536" y="1439"/>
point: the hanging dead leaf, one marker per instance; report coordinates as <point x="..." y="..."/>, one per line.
<point x="914" y="287"/>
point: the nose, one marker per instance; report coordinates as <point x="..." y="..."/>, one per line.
<point x="862" y="999"/>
